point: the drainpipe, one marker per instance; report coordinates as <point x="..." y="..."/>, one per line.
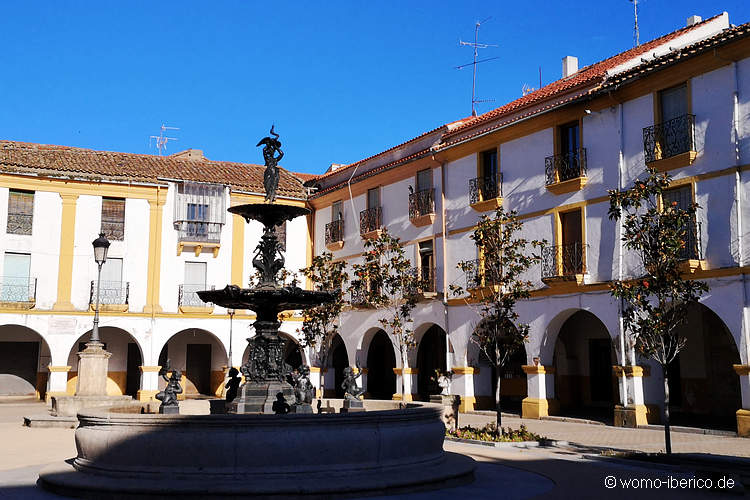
<point x="620" y="174"/>
<point x="351" y="197"/>
<point x="445" y="263"/>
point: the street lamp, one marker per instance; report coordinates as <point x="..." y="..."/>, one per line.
<point x="229" y="356"/>
<point x="101" y="245"/>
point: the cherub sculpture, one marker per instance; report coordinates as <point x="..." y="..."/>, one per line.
<point x="168" y="396"/>
<point x="272" y="154"/>
<point x="351" y="391"/>
<point x="304" y="391"/>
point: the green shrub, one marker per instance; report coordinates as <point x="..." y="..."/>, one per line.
<point x="491" y="433"/>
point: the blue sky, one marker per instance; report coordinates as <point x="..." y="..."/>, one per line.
<point x="341" y="80"/>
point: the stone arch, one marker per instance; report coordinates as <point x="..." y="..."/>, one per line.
<point x="583" y="357"/>
<point x="123" y="368"/>
<point x="24" y="357"/>
<point x="366" y="339"/>
<point x="381" y="360"/>
<point x="430" y="356"/>
<point x="337" y="361"/>
<point x="704" y="388"/>
<point x="201" y="357"/>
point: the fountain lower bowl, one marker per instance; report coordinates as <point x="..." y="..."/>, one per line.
<point x="265" y="299"/>
<point x="281" y="456"/>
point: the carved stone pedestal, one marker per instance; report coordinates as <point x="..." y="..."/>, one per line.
<point x="351" y="406"/>
<point x="169" y="410"/>
<point x="262" y="397"/>
<point x="92" y="370"/>
<point x="301" y="408"/>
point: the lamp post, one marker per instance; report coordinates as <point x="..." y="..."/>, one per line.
<point x="101" y="246"/>
<point x="229" y="355"/>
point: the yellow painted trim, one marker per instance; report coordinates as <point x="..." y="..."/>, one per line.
<point x="630" y="416"/>
<point x="149" y="369"/>
<point x="677" y="161"/>
<point x="743" y="423"/>
<point x="487" y="205"/>
<point x="238" y="250"/>
<point x="310" y="247"/>
<point x="67" y="245"/>
<point x="538" y="369"/>
<point x="407" y="397"/>
<point x="59" y="368"/>
<point x="423" y="220"/>
<point x="371" y="235"/>
<point x="568" y="186"/>
<point x="153" y="279"/>
<point x="465" y="370"/>
<point x="197" y="309"/>
<point x="629" y="371"/>
<point x="17" y="306"/>
<point x="742" y="369"/>
<point x="467" y="404"/>
<point x="536" y="408"/>
<point x="74" y="187"/>
<point x="335" y="246"/>
<point x="146" y="395"/>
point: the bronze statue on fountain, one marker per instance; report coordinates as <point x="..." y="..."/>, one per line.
<point x="265" y="371"/>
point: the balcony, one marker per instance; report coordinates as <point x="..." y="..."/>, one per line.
<point x="481" y="280"/>
<point x="189" y="302"/>
<point x="335" y="235"/>
<point x="670" y="144"/>
<point x="370" y="222"/>
<point x="113" y="296"/>
<point x="422" y="207"/>
<point x="17" y="292"/>
<point x="198" y="235"/>
<point x="691" y="256"/>
<point x="486" y="193"/>
<point x="358" y="297"/>
<point x="566" y="172"/>
<point x="426" y="275"/>
<point x="564" y="263"/>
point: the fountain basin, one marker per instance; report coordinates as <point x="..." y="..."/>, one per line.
<point x="265" y="299"/>
<point x="281" y="456"/>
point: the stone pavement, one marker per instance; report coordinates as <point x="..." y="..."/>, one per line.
<point x="544" y="473"/>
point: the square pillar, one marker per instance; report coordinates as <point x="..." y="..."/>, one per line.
<point x="58" y="382"/>
<point x="462" y="384"/>
<point x="743" y="414"/>
<point x="315" y="379"/>
<point x="540" y="401"/>
<point x="149" y="383"/>
<point x="92" y="370"/>
<point x="634" y="413"/>
<point x="404" y="374"/>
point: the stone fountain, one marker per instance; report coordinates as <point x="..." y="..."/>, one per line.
<point x="251" y="450"/>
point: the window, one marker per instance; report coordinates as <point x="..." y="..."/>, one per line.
<point x="373" y="198"/>
<point x="335" y="229"/>
<point x="673" y="132"/>
<point x="673" y="103"/>
<point x="571" y="251"/>
<point x="337" y="210"/>
<point x="488" y="184"/>
<point x="569" y="139"/>
<point x="195" y="280"/>
<point x="427" y="265"/>
<point x="683" y="196"/>
<point x="20" y="212"/>
<point x="370" y="220"/>
<point x="16" y="284"/>
<point x="488" y="165"/>
<point x="424" y="180"/>
<point x="199" y="212"/>
<point x="113" y="218"/>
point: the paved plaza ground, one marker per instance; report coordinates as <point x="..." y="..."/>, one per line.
<point x="554" y="472"/>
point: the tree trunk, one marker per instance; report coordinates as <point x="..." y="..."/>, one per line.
<point x="403" y="373"/>
<point x="667" y="437"/>
<point x="498" y="408"/>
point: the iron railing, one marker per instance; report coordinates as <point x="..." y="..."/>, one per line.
<point x="19" y="223"/>
<point x="334" y="231"/>
<point x="111" y="292"/>
<point x="358" y="297"/>
<point x="563" y="260"/>
<point x="479" y="274"/>
<point x="17" y="289"/>
<point x="485" y="188"/>
<point x="198" y="231"/>
<point x="670" y="138"/>
<point x="566" y="166"/>
<point x="421" y="203"/>
<point x="692" y="249"/>
<point x="370" y="220"/>
<point x="427" y="277"/>
<point x="188" y="295"/>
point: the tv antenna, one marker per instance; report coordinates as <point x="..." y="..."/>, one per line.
<point x="476" y="46"/>
<point x="636" y="32"/>
<point x="162" y="139"/>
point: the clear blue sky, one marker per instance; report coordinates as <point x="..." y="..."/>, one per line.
<point x="341" y="80"/>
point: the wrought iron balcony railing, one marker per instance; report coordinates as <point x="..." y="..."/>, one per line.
<point x="566" y="166"/>
<point x="563" y="260"/>
<point x="334" y="231"/>
<point x="19" y="223"/>
<point x="427" y="277"/>
<point x="670" y="138"/>
<point x="480" y="274"/>
<point x="485" y="188"/>
<point x="198" y="231"/>
<point x="692" y="249"/>
<point x="188" y="295"/>
<point x="358" y="297"/>
<point x="17" y="289"/>
<point x="111" y="292"/>
<point x="370" y="220"/>
<point x="421" y="203"/>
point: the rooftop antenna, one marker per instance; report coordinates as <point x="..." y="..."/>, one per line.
<point x="636" y="32"/>
<point x="162" y="139"/>
<point x="476" y="46"/>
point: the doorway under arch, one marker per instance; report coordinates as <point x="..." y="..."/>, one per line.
<point x="431" y="356"/>
<point x="583" y="360"/>
<point x="123" y="368"/>
<point x="338" y="361"/>
<point x="381" y="360"/>
<point x="24" y="357"/>
<point x="201" y="358"/>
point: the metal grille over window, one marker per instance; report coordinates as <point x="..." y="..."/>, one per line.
<point x="110" y="292"/>
<point x="20" y="212"/>
<point x="565" y="166"/>
<point x="563" y="260"/>
<point x="670" y="138"/>
<point x="113" y="218"/>
<point x="334" y="231"/>
<point x="199" y="211"/>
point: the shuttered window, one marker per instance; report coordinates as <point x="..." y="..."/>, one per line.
<point x="113" y="218"/>
<point x="20" y="212"/>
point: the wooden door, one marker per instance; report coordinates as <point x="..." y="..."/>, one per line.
<point x="198" y="367"/>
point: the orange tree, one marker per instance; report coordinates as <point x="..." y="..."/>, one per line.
<point x="655" y="303"/>
<point x="321" y="323"/>
<point x="387" y="281"/>
<point x="497" y="282"/>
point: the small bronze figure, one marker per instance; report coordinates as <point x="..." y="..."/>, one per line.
<point x="351" y="390"/>
<point x="232" y="384"/>
<point x="304" y="391"/>
<point x="168" y="396"/>
<point x="272" y="146"/>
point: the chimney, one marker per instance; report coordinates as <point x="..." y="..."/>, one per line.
<point x="189" y="154"/>
<point x="693" y="20"/>
<point x="569" y="66"/>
